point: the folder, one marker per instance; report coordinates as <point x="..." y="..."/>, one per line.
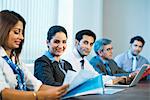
<point x="84" y="83"/>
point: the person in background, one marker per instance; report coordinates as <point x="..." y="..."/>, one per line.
<point x="16" y="82"/>
<point x="84" y="40"/>
<point x="50" y="68"/>
<point x="103" y="62"/>
<point x="126" y="59"/>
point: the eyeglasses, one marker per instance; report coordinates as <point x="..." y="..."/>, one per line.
<point x="108" y="49"/>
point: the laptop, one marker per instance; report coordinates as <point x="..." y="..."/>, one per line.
<point x="134" y="81"/>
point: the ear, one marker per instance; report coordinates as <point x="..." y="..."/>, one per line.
<point x="130" y="46"/>
<point x="76" y="42"/>
<point x="48" y="43"/>
<point x="100" y="53"/>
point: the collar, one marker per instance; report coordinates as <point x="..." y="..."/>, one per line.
<point x="51" y="57"/>
<point x="130" y="55"/>
<point x="103" y="61"/>
<point x="77" y="55"/>
<point x="2" y="52"/>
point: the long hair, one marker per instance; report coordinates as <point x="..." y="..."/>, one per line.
<point x="8" y="20"/>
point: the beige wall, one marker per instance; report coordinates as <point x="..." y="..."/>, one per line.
<point x="123" y="19"/>
<point x="87" y="14"/>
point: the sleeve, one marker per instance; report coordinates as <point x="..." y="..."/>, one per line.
<point x="118" y="60"/>
<point x="119" y="69"/>
<point x="3" y="83"/>
<point x="43" y="71"/>
<point x="32" y="82"/>
<point x="146" y="61"/>
<point x="96" y="66"/>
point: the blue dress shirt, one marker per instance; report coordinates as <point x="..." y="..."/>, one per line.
<point x="124" y="61"/>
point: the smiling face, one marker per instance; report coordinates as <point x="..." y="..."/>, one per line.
<point x="136" y="47"/>
<point x="85" y="45"/>
<point x="57" y="44"/>
<point x="15" y="37"/>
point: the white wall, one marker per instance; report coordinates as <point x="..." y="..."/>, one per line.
<point x="147" y="46"/>
<point x="39" y="17"/>
<point x="118" y="20"/>
<point x="122" y="19"/>
<point x="88" y="15"/>
<point x="65" y="19"/>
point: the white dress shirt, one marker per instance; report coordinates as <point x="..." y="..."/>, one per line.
<point x="8" y="78"/>
<point x="74" y="58"/>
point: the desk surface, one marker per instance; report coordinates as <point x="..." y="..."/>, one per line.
<point x="139" y="92"/>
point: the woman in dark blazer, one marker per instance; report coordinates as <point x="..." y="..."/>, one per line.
<point x="50" y="68"/>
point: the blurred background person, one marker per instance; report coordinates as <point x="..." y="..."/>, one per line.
<point x="131" y="60"/>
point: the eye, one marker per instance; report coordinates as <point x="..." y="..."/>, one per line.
<point x="91" y="44"/>
<point x="16" y="32"/>
<point x="135" y="45"/>
<point x="108" y="49"/>
<point x="64" y="41"/>
<point x="56" y="41"/>
<point x="85" y="42"/>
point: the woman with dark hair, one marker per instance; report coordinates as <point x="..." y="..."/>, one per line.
<point x="50" y="68"/>
<point x="16" y="82"/>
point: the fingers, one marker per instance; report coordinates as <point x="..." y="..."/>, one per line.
<point x="118" y="79"/>
<point x="66" y="86"/>
<point x="133" y="74"/>
<point x="62" y="90"/>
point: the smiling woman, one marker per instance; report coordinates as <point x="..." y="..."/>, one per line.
<point x="39" y="15"/>
<point x="49" y="68"/>
<point x="15" y="36"/>
<point x="16" y="82"/>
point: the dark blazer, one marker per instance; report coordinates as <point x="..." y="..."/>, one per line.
<point x="49" y="72"/>
<point x="98" y="65"/>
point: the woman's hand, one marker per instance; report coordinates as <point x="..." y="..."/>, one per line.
<point x="51" y="92"/>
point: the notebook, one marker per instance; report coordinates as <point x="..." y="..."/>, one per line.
<point x="134" y="81"/>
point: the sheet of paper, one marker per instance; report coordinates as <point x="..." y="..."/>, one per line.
<point x="108" y="79"/>
<point x="91" y="86"/>
<point x="76" y="78"/>
<point x="84" y="83"/>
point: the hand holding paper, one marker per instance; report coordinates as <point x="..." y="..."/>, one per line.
<point x="83" y="83"/>
<point x="77" y="78"/>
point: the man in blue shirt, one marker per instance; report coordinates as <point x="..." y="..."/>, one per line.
<point x="103" y="62"/>
<point x="126" y="61"/>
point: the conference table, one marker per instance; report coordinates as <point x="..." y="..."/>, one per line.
<point x="139" y="92"/>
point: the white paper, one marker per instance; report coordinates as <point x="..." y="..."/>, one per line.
<point x="76" y="78"/>
<point x="108" y="79"/>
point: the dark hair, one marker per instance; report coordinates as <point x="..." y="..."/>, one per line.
<point x="79" y="35"/>
<point x="53" y="30"/>
<point x="138" y="38"/>
<point x="8" y="19"/>
<point x="99" y="44"/>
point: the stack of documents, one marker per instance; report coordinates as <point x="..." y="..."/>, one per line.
<point x="82" y="83"/>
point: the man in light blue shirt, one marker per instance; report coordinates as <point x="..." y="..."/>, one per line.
<point x="125" y="60"/>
